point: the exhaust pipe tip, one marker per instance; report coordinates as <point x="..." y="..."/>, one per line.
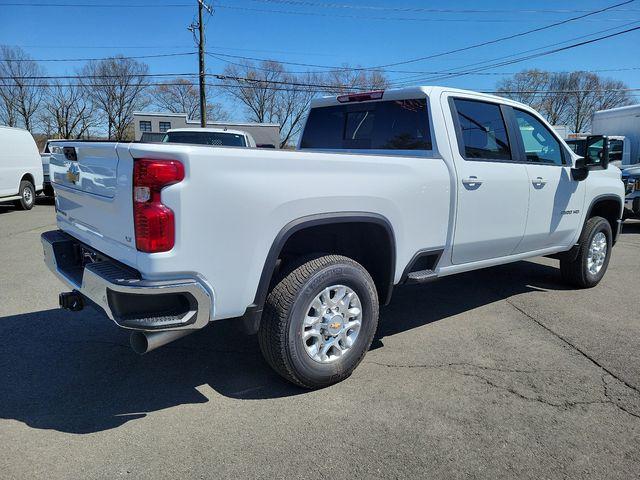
<point x="139" y="343"/>
<point x="144" y="342"/>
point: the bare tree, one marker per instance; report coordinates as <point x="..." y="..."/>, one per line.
<point x="68" y="111"/>
<point x="20" y="92"/>
<point x="182" y="96"/>
<point x="117" y="87"/>
<point x="271" y="95"/>
<point x="348" y="79"/>
<point x="569" y="98"/>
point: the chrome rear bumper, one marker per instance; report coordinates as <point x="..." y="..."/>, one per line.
<point x="128" y="300"/>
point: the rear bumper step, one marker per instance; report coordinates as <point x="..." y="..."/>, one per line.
<point x="128" y="300"/>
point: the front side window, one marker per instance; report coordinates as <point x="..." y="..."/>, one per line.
<point x="386" y="125"/>
<point x="164" y="126"/>
<point x="540" y="145"/>
<point x="145" y="126"/>
<point x="483" y="130"/>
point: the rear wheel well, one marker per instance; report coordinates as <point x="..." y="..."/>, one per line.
<point x="368" y="243"/>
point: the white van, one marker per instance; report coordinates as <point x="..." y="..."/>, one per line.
<point x="20" y="167"/>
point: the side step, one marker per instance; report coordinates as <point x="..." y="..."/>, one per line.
<point x="421" y="276"/>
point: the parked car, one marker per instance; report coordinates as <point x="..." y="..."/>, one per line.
<point x="386" y="188"/>
<point x="631" y="180"/>
<point x="218" y="137"/>
<point x="20" y="168"/>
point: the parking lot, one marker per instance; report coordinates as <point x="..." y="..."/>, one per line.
<point x="502" y="372"/>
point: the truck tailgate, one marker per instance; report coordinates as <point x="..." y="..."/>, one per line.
<point x="93" y="185"/>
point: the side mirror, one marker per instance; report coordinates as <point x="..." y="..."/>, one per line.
<point x="580" y="171"/>
<point x="597" y="151"/>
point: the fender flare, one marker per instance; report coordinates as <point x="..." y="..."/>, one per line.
<point x="572" y="253"/>
<point x="253" y="313"/>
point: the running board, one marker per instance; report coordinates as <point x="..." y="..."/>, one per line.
<point x="421" y="276"/>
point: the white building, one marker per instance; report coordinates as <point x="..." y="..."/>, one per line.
<point x="153" y="125"/>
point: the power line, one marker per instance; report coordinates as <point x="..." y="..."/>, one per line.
<point x="186" y="76"/>
<point x="303" y="3"/>
<point x="449" y="52"/>
<point x="161" y="55"/>
<point x="379" y="67"/>
<point x="508" y="37"/>
<point x="541" y="54"/>
<point x="456" y="70"/>
<point x="303" y="13"/>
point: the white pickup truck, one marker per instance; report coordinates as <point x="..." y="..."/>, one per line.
<point x="386" y="188"/>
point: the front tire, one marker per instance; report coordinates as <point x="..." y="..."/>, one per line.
<point x="594" y="252"/>
<point x="319" y="321"/>
<point x="27" y="194"/>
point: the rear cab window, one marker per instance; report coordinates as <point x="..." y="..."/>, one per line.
<point x="218" y="139"/>
<point x="381" y="125"/>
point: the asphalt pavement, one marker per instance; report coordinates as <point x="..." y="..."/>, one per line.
<point x="499" y="373"/>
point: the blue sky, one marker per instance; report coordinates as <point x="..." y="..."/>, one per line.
<point x="316" y="34"/>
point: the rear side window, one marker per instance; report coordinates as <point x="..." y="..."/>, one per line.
<point x="483" y="130"/>
<point x="388" y="125"/>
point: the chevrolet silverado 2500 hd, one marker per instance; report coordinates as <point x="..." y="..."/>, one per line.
<point x="385" y="188"/>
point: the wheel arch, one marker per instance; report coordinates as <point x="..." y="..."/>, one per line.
<point x="295" y="231"/>
<point x="28" y="177"/>
<point x="608" y="207"/>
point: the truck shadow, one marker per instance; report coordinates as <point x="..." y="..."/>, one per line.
<point x="75" y="373"/>
<point x="631" y="226"/>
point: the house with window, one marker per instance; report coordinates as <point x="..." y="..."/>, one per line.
<point x="151" y="127"/>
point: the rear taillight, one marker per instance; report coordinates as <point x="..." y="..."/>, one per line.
<point x="154" y="222"/>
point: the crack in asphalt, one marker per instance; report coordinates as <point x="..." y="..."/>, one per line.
<point x="574" y="347"/>
<point x="454" y="364"/>
<point x="605" y="386"/>
<point x="566" y="404"/>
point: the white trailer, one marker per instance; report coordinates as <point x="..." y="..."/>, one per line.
<point x="621" y="121"/>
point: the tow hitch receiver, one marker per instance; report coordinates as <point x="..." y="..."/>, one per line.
<point x="71" y="301"/>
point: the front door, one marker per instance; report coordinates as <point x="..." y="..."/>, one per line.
<point x="555" y="199"/>
<point x="492" y="184"/>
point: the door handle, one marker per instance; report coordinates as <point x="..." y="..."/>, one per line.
<point x="472" y="181"/>
<point x="539" y="181"/>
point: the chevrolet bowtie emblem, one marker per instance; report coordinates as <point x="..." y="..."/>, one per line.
<point x="73" y="173"/>
<point x="335" y="325"/>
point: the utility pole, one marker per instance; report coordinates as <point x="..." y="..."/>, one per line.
<point x="203" y="96"/>
<point x="202" y="75"/>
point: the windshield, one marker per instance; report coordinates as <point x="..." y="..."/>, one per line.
<point x="206" y="138"/>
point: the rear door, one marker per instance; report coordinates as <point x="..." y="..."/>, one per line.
<point x="493" y="186"/>
<point x="556" y="200"/>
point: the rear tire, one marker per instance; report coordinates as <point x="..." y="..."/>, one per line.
<point x="319" y="321"/>
<point x="27" y="194"/>
<point x="594" y="252"/>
